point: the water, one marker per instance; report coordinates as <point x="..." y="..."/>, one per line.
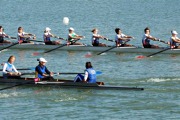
<point x="159" y="75"/>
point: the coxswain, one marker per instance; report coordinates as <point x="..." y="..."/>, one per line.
<point x="174" y="40"/>
<point x="147" y="38"/>
<point x="47" y="37"/>
<point x="23" y="37"/>
<point x="9" y="70"/>
<point x="121" y="38"/>
<point x="41" y="71"/>
<point x="90" y="74"/>
<point x="3" y="35"/>
<point x="73" y="37"/>
<point x="96" y="37"/>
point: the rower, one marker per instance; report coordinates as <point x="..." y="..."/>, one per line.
<point x="72" y="36"/>
<point x="9" y="70"/>
<point x="90" y="75"/>
<point x="146" y="39"/>
<point x="23" y="36"/>
<point x="120" y="37"/>
<point x="96" y="37"/>
<point x="47" y="37"/>
<point x="3" y="35"/>
<point x="174" y="40"/>
<point x="41" y="71"/>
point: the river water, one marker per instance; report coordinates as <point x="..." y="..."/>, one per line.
<point x="159" y="75"/>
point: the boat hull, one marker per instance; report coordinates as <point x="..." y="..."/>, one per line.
<point x="91" y="48"/>
<point x="63" y="84"/>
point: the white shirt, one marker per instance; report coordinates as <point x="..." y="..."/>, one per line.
<point x="6" y="68"/>
<point x="95" y="38"/>
<point x="20" y="34"/>
<point x="119" y="36"/>
<point x="3" y="34"/>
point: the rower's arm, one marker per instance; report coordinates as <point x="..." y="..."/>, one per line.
<point x="47" y="71"/>
<point x="15" y="70"/>
<point x="4" y="69"/>
<point x="176" y="40"/>
<point x="85" y="76"/>
<point x="123" y="39"/>
<point x="152" y="38"/>
<point x="98" y="36"/>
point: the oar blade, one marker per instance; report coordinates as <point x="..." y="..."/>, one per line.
<point x="88" y="55"/>
<point x="98" y="72"/>
<point x="140" y="57"/>
<point x="35" y="54"/>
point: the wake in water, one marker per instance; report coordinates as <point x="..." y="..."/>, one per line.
<point x="162" y="79"/>
<point x="7" y="95"/>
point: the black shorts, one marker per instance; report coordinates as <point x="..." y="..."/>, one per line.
<point x="1" y="41"/>
<point x="95" y="44"/>
<point x="147" y="46"/>
<point x="122" y="45"/>
<point x="49" y="43"/>
<point x="25" y="42"/>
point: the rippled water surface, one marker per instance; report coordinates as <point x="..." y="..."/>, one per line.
<point x="159" y="75"/>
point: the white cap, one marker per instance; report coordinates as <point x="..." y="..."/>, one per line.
<point x="71" y="28"/>
<point x="174" y="32"/>
<point x="47" y="29"/>
<point x="42" y="60"/>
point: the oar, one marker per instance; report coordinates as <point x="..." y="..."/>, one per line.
<point x="109" y="40"/>
<point x="60" y="46"/>
<point x="43" y="41"/>
<point x="111" y="48"/>
<point x="107" y="50"/>
<point x="162" y="41"/>
<point x="61" y="73"/>
<point x="13" y="38"/>
<point x="27" y="82"/>
<point x="9" y="46"/>
<point x="141" y="56"/>
<point x="23" y="69"/>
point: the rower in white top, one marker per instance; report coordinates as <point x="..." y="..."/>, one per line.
<point x="96" y="37"/>
<point x="23" y="37"/>
<point x="73" y="37"/>
<point x="174" y="40"/>
<point x="121" y="39"/>
<point x="47" y="37"/>
<point x="3" y="35"/>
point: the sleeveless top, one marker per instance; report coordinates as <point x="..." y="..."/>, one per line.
<point x="2" y="35"/>
<point x="173" y="43"/>
<point x="47" y="37"/>
<point x="145" y="40"/>
<point x="19" y="36"/>
<point x="91" y="75"/>
<point x="94" y="39"/>
<point x="73" y="35"/>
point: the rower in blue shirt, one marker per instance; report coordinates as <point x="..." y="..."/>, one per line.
<point x="42" y="72"/>
<point x="90" y="75"/>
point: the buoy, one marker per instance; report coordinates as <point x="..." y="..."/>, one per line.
<point x="66" y="20"/>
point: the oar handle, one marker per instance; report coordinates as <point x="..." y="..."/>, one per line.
<point x="109" y="40"/>
<point x="162" y="41"/>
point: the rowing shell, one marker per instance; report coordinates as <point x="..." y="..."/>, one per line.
<point x="64" y="84"/>
<point x="41" y="46"/>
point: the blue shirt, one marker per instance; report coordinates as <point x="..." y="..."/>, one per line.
<point x="91" y="75"/>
